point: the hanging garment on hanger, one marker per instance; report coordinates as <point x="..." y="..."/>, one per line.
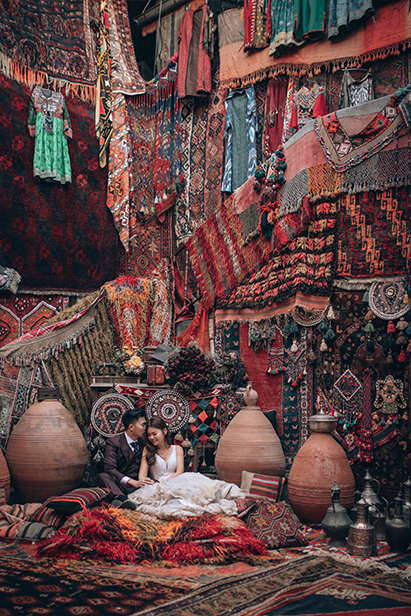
<point x="345" y="13"/>
<point x="310" y="19"/>
<point x="274" y="114"/>
<point x="307" y="104"/>
<point x="49" y="124"/>
<point x="194" y="63"/>
<point x="355" y="91"/>
<point x="240" y="134"/>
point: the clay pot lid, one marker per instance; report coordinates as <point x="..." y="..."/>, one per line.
<point x="321" y="422"/>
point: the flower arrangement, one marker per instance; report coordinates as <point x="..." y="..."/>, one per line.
<point x="131" y="360"/>
<point x="189" y="369"/>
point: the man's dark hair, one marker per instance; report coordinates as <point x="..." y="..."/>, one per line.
<point x="131" y="416"/>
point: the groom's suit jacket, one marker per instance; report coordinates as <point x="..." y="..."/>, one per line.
<point x="119" y="461"/>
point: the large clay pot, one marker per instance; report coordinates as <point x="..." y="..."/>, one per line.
<point x="46" y="453"/>
<point x="319" y="462"/>
<point x="4" y="476"/>
<point x="249" y="443"/>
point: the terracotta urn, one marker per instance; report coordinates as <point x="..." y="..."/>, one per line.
<point x="249" y="443"/>
<point x="4" y="477"/>
<point x="46" y="453"/>
<point x="318" y="464"/>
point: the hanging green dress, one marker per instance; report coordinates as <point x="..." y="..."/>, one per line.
<point x="49" y="124"/>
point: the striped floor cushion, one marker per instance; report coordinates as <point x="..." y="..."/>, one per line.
<point x="77" y="499"/>
<point x="263" y="486"/>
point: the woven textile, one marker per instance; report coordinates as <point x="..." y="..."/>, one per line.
<point x="346" y="362"/>
<point x="273" y="524"/>
<point x="21" y="313"/>
<point x="124" y="70"/>
<point x="70" y="590"/>
<point x="387" y="35"/>
<point x="156" y="156"/>
<point x="129" y="537"/>
<point x="345" y="146"/>
<point x="118" y="185"/>
<point x="70" y="232"/>
<point x="129" y="304"/>
<point x="104" y="101"/>
<point x="77" y="499"/>
<point x="342" y="14"/>
<point x="263" y="486"/>
<point x="304" y="265"/>
<point x="49" y="42"/>
<point x="219" y="261"/>
<point x="375" y="234"/>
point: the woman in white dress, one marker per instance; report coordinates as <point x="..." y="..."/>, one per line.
<point x="176" y="494"/>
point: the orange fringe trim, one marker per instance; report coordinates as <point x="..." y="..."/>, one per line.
<point x="29" y="77"/>
<point x="331" y="66"/>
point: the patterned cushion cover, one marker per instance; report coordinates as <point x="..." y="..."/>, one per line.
<point x="264" y="486"/>
<point x="77" y="499"/>
<point x="48" y="516"/>
<point x="244" y="506"/>
<point x="273" y="524"/>
<point x="31" y="531"/>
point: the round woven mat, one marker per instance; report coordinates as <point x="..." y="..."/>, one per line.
<point x="107" y="412"/>
<point x="386" y="300"/>
<point x="171" y="406"/>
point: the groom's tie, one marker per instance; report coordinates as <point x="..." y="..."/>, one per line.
<point x="136" y="448"/>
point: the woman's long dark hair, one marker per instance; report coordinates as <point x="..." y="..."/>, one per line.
<point x="159" y="424"/>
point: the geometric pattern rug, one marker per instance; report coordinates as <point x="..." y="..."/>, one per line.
<point x="21" y="313"/>
<point x="305" y="583"/>
<point x="309" y="585"/>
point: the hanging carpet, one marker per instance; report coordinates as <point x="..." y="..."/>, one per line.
<point x="21" y="313"/>
<point x="375" y="234"/>
<point x="49" y="43"/>
<point x="68" y="241"/>
<point x="386" y="34"/>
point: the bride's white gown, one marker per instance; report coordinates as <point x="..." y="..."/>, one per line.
<point x="186" y="495"/>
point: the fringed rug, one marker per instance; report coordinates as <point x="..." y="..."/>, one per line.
<point x="386" y="34"/>
<point x="49" y="43"/>
<point x="304" y="265"/>
<point x="310" y="585"/>
<point x="69" y="242"/>
<point x="122" y="536"/>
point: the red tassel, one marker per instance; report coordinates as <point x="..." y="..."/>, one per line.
<point x="390" y="327"/>
<point x="401" y="356"/>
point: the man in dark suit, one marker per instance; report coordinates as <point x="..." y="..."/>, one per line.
<point x="122" y="458"/>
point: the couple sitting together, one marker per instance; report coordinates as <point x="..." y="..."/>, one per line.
<point x="146" y="472"/>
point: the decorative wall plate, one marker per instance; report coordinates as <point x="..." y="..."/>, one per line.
<point x="171" y="406"/>
<point x="386" y="300"/>
<point x="107" y="412"/>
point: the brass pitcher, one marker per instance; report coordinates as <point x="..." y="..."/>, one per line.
<point x="336" y="523"/>
<point x="397" y="528"/>
<point x="376" y="509"/>
<point x="361" y="537"/>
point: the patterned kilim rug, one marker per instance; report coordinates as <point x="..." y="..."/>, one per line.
<point x="310" y="584"/>
<point x="51" y="40"/>
<point x="21" y="313"/>
<point x="70" y="242"/>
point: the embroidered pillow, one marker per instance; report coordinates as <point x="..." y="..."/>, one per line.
<point x="30" y="531"/>
<point x="77" y="499"/>
<point x="49" y="517"/>
<point x="244" y="506"/>
<point x="263" y="486"/>
<point x="273" y="524"/>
